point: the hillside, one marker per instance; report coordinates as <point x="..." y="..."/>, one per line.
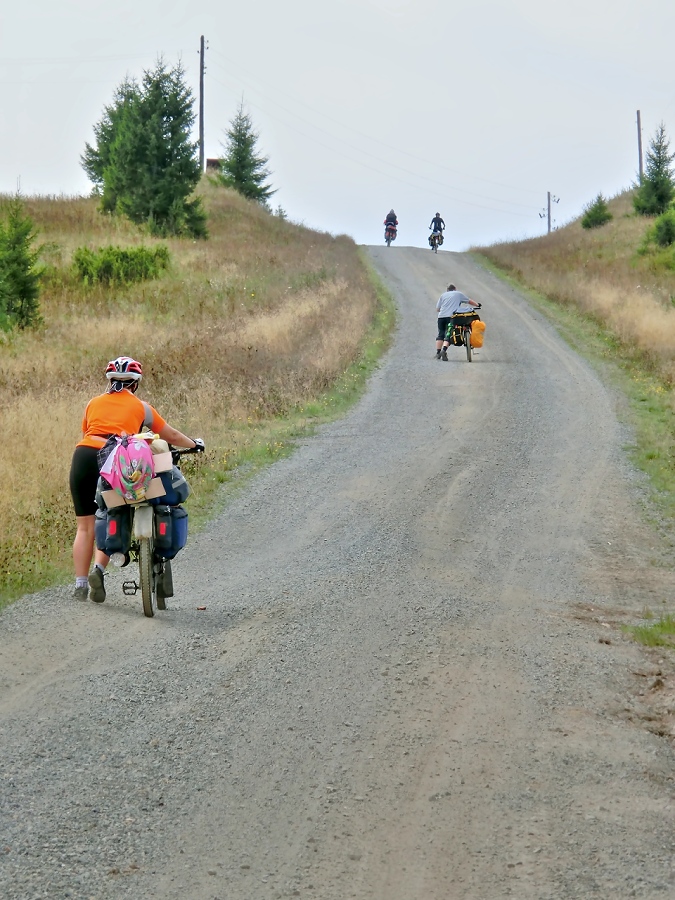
<point x="601" y="273"/>
<point x="243" y="331"/>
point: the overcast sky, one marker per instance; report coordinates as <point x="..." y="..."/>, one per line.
<point x="474" y="109"/>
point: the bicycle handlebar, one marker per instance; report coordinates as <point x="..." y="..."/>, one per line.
<point x="182" y="451"/>
<point x="177" y="452"/>
<point x="150" y="436"/>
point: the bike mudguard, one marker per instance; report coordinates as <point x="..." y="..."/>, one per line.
<point x="143" y="519"/>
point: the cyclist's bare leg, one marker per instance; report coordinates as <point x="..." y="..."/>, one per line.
<point x="83" y="545"/>
<point x="101" y="559"/>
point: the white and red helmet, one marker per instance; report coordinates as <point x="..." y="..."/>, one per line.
<point x="124" y="368"/>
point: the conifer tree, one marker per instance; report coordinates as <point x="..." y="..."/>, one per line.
<point x="95" y="160"/>
<point x="596" y="214"/>
<point x="656" y="190"/>
<point x="242" y="168"/>
<point x="19" y="270"/>
<point x="144" y="163"/>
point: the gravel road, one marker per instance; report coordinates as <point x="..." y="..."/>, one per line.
<point x="408" y="682"/>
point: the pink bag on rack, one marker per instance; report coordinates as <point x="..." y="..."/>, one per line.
<point x="128" y="467"/>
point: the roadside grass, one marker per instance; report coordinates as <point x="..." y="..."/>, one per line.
<point x="248" y="340"/>
<point x="659" y="634"/>
<point x="605" y="274"/>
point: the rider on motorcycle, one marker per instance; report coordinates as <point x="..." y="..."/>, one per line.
<point x="118" y="411"/>
<point x="390" y="223"/>
<point x="437" y="226"/>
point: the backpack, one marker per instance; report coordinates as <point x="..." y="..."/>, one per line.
<point x="127" y="465"/>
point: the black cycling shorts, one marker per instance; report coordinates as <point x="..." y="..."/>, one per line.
<point x="83" y="480"/>
<point x="443" y="322"/>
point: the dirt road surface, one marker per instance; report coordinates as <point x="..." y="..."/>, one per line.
<point x="409" y="681"/>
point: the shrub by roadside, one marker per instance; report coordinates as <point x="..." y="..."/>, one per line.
<point x="121" y="265"/>
<point x="662" y="232"/>
<point x="596" y="214"/>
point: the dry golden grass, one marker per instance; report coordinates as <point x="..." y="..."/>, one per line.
<point x="600" y="272"/>
<point x="244" y="327"/>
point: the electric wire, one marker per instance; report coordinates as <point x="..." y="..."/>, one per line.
<point x="384" y="143"/>
<point x="379" y="171"/>
<point x="393" y="165"/>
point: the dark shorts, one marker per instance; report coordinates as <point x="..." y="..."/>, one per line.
<point x="443" y="322"/>
<point x="83" y="480"/>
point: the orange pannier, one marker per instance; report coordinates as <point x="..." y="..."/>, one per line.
<point x="477" y="333"/>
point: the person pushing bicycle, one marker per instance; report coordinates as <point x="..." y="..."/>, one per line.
<point x="116" y="412"/>
<point x="448" y="305"/>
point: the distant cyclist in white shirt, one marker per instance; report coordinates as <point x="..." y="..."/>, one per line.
<point x="449" y="303"/>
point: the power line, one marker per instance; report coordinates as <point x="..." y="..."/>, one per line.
<point x="379" y="171"/>
<point x="386" y="162"/>
<point x="64" y="60"/>
<point x="384" y="143"/>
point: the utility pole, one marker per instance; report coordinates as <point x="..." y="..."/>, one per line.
<point x="639" y="128"/>
<point x="546" y="213"/>
<point x="201" y="103"/>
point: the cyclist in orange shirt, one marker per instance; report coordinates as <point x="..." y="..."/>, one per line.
<point x="118" y="411"/>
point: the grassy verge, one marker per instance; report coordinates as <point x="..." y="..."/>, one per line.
<point x="659" y="634"/>
<point x="650" y="396"/>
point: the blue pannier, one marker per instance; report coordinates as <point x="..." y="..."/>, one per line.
<point x="171" y="530"/>
<point x="113" y="529"/>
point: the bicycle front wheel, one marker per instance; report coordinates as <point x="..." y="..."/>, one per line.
<point x="467" y="341"/>
<point x="147" y="575"/>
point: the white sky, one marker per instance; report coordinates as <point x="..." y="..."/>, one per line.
<point x="475" y="109"/>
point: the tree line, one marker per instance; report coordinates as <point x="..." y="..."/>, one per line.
<point x="144" y="165"/>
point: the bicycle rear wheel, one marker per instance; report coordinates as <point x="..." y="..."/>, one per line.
<point x="467" y="342"/>
<point x="147" y="575"/>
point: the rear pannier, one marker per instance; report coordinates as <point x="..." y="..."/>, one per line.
<point x="113" y="529"/>
<point x="477" y="333"/>
<point x="171" y="530"/>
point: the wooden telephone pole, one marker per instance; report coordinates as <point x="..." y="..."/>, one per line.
<point x="639" y="128"/>
<point x="546" y="213"/>
<point x="201" y="103"/>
